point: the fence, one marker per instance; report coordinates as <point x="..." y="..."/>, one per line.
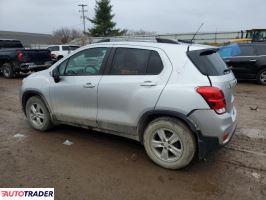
<point x="202" y="38"/>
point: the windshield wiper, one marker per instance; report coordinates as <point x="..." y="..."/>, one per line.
<point x="228" y="69"/>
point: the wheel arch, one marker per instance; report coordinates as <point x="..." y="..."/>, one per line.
<point x="30" y="93"/>
<point x="149" y="116"/>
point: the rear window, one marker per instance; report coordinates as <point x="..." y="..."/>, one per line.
<point x="208" y="62"/>
<point x="131" y="61"/>
<point x="10" y="44"/>
<point x="53" y="48"/>
<point x="229" y="51"/>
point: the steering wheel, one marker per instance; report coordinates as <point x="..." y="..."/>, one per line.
<point x="92" y="69"/>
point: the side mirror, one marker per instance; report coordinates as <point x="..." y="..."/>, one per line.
<point x="56" y="75"/>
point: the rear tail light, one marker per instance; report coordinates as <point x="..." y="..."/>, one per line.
<point x="214" y="97"/>
<point x="20" y="55"/>
<point x="53" y="56"/>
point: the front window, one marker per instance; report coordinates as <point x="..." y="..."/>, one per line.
<point x="86" y="62"/>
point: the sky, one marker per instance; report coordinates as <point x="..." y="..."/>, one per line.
<point x="160" y="16"/>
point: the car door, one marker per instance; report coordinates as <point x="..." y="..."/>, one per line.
<point x="74" y="97"/>
<point x="243" y="64"/>
<point x="131" y="86"/>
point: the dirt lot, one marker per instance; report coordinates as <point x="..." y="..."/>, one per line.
<point x="100" y="166"/>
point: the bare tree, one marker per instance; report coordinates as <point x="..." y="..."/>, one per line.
<point x="65" y="35"/>
<point x="139" y="32"/>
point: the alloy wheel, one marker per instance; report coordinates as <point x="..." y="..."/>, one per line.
<point x="166" y="145"/>
<point x="37" y="115"/>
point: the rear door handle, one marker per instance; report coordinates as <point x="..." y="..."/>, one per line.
<point x="252" y="60"/>
<point x="148" y="83"/>
<point x="88" y="85"/>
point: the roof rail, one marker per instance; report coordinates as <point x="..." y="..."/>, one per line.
<point x="138" y="39"/>
<point x="186" y="41"/>
<point x="163" y="40"/>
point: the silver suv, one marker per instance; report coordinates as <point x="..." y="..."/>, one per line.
<point x="176" y="99"/>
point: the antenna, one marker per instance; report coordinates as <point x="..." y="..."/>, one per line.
<point x="195" y="35"/>
<point x="197" y="32"/>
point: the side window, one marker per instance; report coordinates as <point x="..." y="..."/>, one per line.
<point x="130" y="61"/>
<point x="62" y="67"/>
<point x="229" y="51"/>
<point x="54" y="48"/>
<point x="86" y="62"/>
<point x="65" y="48"/>
<point x="261" y="49"/>
<point x="155" y="65"/>
<point x="247" y="51"/>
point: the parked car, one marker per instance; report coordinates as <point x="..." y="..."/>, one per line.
<point x="248" y="60"/>
<point x="176" y="99"/>
<point x="59" y="51"/>
<point x="15" y="59"/>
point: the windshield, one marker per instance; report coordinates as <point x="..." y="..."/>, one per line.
<point x="10" y="44"/>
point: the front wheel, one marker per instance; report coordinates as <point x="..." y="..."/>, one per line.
<point x="261" y="77"/>
<point x="37" y="114"/>
<point x="169" y="143"/>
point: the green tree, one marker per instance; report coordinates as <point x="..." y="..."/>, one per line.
<point x="102" y="22"/>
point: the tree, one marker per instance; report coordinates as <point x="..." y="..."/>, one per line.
<point x="65" y="35"/>
<point x="102" y="21"/>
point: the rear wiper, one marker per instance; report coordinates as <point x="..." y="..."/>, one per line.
<point x="228" y="69"/>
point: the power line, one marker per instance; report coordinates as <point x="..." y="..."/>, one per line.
<point x="83" y="16"/>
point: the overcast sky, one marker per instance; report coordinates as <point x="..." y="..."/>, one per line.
<point x="161" y="16"/>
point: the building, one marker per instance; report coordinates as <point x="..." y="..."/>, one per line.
<point x="29" y="40"/>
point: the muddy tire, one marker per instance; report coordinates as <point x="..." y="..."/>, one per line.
<point x="38" y="115"/>
<point x="261" y="77"/>
<point x="169" y="143"/>
<point x="8" y="71"/>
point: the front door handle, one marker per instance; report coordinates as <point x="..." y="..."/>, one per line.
<point x="88" y="85"/>
<point x="148" y="83"/>
<point x="252" y="60"/>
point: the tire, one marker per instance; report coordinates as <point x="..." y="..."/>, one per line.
<point x="261" y="77"/>
<point x="172" y="136"/>
<point x="8" y="71"/>
<point x="38" y="115"/>
<point x="59" y="58"/>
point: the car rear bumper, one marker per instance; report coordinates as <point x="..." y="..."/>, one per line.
<point x="35" y="67"/>
<point x="213" y="130"/>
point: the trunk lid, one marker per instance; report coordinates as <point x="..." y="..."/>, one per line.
<point x="227" y="84"/>
<point x="210" y="64"/>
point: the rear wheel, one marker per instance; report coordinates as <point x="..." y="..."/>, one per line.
<point x="37" y="114"/>
<point x="169" y="143"/>
<point x="8" y="71"/>
<point x="261" y="77"/>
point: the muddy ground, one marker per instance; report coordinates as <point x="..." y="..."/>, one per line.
<point x="100" y="166"/>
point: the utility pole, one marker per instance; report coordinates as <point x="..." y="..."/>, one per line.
<point x="83" y="16"/>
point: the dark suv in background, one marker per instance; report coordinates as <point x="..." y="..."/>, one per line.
<point x="248" y="60"/>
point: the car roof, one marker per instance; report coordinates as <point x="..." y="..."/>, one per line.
<point x="2" y="39"/>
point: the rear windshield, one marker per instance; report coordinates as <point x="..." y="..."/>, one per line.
<point x="10" y="44"/>
<point x="208" y="62"/>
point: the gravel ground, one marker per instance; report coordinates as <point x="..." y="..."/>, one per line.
<point x="101" y="166"/>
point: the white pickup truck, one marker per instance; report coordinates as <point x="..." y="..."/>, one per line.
<point x="59" y="51"/>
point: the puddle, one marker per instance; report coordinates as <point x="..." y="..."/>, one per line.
<point x="252" y="133"/>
